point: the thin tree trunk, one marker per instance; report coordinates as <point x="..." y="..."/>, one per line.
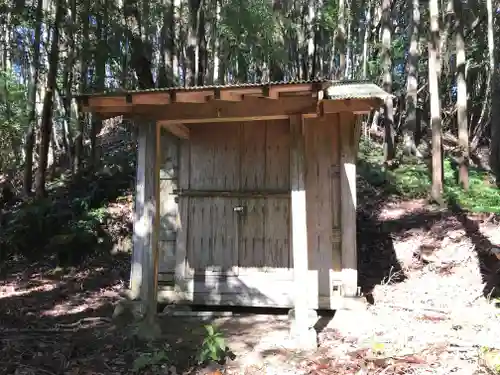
<point x="101" y="57"/>
<point x="412" y="83"/>
<point x="30" y="133"/>
<point x="310" y="45"/>
<point x="340" y="40"/>
<point x="366" y="39"/>
<point x="495" y="97"/>
<point x="46" y="125"/>
<point x="82" y="117"/>
<point x="437" y="157"/>
<point x="463" y="131"/>
<point x="389" y="146"/>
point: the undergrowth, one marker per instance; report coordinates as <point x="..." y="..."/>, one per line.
<point x="412" y="179"/>
<point x="72" y="222"/>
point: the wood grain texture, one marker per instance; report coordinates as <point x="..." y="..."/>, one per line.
<point x="299" y="224"/>
<point x="323" y="199"/>
<point x="348" y="202"/>
<point x="214" y="242"/>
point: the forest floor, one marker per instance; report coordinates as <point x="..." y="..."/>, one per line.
<point x="425" y="268"/>
<point x="434" y="320"/>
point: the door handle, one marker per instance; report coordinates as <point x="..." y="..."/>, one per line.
<point x="239" y="209"/>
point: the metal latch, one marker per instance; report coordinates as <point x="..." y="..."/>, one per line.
<point x="239" y="209"/>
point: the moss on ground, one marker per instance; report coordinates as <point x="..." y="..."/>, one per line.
<point x="412" y="179"/>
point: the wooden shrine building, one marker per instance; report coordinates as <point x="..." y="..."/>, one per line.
<point x="246" y="194"/>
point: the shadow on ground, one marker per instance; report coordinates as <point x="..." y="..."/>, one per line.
<point x="375" y="246"/>
<point x="64" y="260"/>
<point x="59" y="323"/>
<point x="489" y="264"/>
<point x="377" y="260"/>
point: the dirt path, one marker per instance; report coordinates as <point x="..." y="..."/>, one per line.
<point x="429" y="315"/>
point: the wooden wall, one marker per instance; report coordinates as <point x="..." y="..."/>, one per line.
<point x="169" y="210"/>
<point x="323" y="199"/>
<point x="228" y="165"/>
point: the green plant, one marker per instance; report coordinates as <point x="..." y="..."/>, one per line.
<point x="412" y="179"/>
<point x="153" y="360"/>
<point x="213" y="346"/>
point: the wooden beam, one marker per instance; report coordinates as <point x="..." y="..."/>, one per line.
<point x="229" y="93"/>
<point x="179" y="130"/>
<point x="160" y="98"/>
<point x="216" y="111"/>
<point x="213" y="110"/>
<point x="348" y="204"/>
<point x="301" y="329"/>
<point x="228" y="96"/>
<point x="357" y="106"/>
<point x="143" y="272"/>
<point x="106" y="101"/>
<point x="200" y="95"/>
<point x="225" y="119"/>
<point x="181" y="242"/>
<point x="153" y="297"/>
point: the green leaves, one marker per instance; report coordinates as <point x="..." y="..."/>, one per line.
<point x="150" y="360"/>
<point x="213" y="346"/>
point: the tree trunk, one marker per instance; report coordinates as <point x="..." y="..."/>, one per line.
<point x="46" y="124"/>
<point x="412" y="83"/>
<point x="463" y="129"/>
<point x="82" y="117"/>
<point x="366" y="39"/>
<point x="100" y="69"/>
<point x="30" y="132"/>
<point x="340" y="40"/>
<point x="437" y="152"/>
<point x="495" y="97"/>
<point x="387" y="81"/>
<point x="310" y="43"/>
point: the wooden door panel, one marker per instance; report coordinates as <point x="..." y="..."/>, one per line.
<point x="212" y="246"/>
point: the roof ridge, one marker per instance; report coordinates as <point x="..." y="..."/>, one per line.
<point x="120" y="91"/>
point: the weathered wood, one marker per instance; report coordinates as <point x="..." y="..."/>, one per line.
<point x="179" y="130"/>
<point x="356" y="106"/>
<point x="169" y="206"/>
<point x="202" y="95"/>
<point x="299" y="228"/>
<point x="264" y="225"/>
<point x="181" y="244"/>
<point x="144" y="256"/>
<point x="348" y="203"/>
<point x="251" y="287"/>
<point x="278" y="193"/>
<point x="215" y="111"/>
<point x="323" y="200"/>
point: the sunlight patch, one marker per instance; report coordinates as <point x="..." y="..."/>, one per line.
<point x="396" y="210"/>
<point x="17" y="289"/>
<point x="75" y="307"/>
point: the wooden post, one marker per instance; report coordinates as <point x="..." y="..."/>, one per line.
<point x="348" y="203"/>
<point x="182" y="223"/>
<point x="302" y="332"/>
<point x="144" y="272"/>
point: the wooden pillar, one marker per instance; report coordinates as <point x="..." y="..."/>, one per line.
<point x="302" y="332"/>
<point x="144" y="272"/>
<point x="348" y="203"/>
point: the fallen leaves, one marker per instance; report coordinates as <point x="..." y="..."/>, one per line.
<point x="490" y="360"/>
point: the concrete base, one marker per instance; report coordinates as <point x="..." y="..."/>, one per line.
<point x="149" y="329"/>
<point x="351" y="321"/>
<point x="134" y="316"/>
<point x="305" y="340"/>
<point x="305" y="337"/>
<point x="127" y="312"/>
